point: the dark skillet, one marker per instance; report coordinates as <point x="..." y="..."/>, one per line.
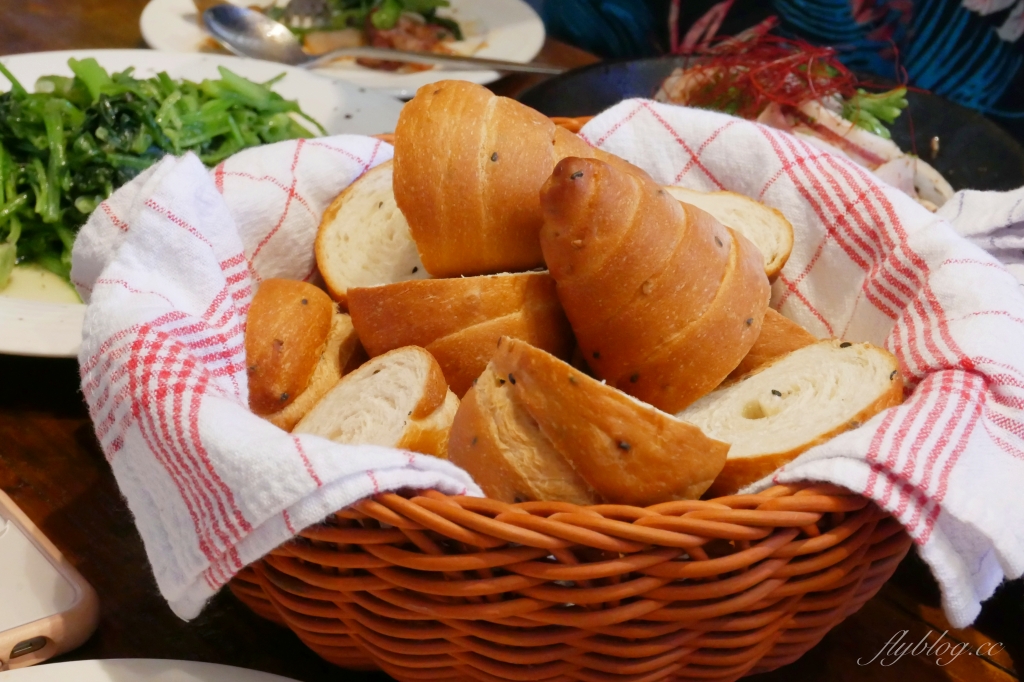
<point x="974" y="152"/>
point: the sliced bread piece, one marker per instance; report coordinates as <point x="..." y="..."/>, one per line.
<point x="341" y="354"/>
<point x="285" y="334"/>
<point x="364" y="239"/>
<point x="801" y="400"/>
<point x="399" y="399"/>
<point x="627" y="452"/>
<point x="460" y="320"/>
<point x="779" y="336"/>
<point x="497" y="441"/>
<point x="771" y="233"/>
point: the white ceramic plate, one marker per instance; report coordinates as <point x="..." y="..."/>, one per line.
<point x="51" y="329"/>
<point x="502" y="29"/>
<point x="138" y="670"/>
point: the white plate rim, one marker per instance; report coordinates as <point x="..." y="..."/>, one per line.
<point x="520" y="44"/>
<point x="125" y="669"/>
<point x="54" y="330"/>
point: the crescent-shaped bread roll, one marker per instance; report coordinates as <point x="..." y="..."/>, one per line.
<point x="626" y="452"/>
<point x="460" y="320"/>
<point x="800" y="400"/>
<point x="663" y="299"/>
<point x="399" y="399"/>
<point x="468" y="167"/>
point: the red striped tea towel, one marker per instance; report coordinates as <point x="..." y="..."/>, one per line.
<point x="167" y="266"/>
<point x="169" y="262"/>
<point x="870" y="264"/>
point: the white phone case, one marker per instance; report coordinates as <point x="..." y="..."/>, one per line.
<point x="46" y="607"/>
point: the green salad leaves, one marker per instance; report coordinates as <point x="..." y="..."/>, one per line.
<point x="65" y="147"/>
<point x="383" y="14"/>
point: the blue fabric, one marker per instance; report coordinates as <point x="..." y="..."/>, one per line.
<point x="613" y="29"/>
<point x="942" y="46"/>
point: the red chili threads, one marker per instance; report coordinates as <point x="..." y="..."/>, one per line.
<point x="743" y="77"/>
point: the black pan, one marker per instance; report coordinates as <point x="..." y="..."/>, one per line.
<point x="974" y="152"/>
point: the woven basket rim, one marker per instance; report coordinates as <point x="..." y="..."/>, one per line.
<point x="485" y="523"/>
<point x="424" y="585"/>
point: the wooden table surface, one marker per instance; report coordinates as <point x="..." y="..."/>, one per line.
<point x="51" y="465"/>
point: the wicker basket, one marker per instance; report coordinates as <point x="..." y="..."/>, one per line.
<point x="433" y="587"/>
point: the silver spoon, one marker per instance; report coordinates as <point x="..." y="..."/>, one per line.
<point x="249" y="33"/>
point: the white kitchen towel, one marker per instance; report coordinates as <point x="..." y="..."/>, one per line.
<point x="171" y="259"/>
<point x="992" y="220"/>
<point x="870" y="264"/>
<point x="168" y="266"/>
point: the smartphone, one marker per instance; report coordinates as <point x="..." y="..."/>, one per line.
<point x="46" y="607"/>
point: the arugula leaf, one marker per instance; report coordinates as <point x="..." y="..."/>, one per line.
<point x="67" y="146"/>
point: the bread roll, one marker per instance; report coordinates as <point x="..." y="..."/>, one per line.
<point x="468" y="168"/>
<point x="286" y="331"/>
<point x="364" y="240"/>
<point x="766" y="227"/>
<point x="779" y="336"/>
<point x="801" y="400"/>
<point x="624" y="451"/>
<point x="341" y="354"/>
<point x="663" y="299"/>
<point x="460" y="320"/>
<point x="496" y="440"/>
<point x="399" y="399"/>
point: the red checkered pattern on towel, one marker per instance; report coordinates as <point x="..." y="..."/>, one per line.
<point x="870" y="264"/>
<point x="169" y="265"/>
<point x="169" y="262"/>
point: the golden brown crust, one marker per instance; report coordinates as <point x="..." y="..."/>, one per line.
<point x="696" y="360"/>
<point x="630" y="453"/>
<point x="579" y="361"/>
<point x="336" y="360"/>
<point x="779" y="336"/>
<point x="633" y="265"/>
<point x="664" y="301"/>
<point x="460" y="320"/>
<point x="464" y="354"/>
<point x="286" y="330"/>
<point x="435" y="388"/>
<point x="497" y="442"/>
<point x="473" y="445"/>
<point x="417" y="312"/>
<point x="468" y="169"/>
<point x="739" y="473"/>
<point x="429" y="435"/>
